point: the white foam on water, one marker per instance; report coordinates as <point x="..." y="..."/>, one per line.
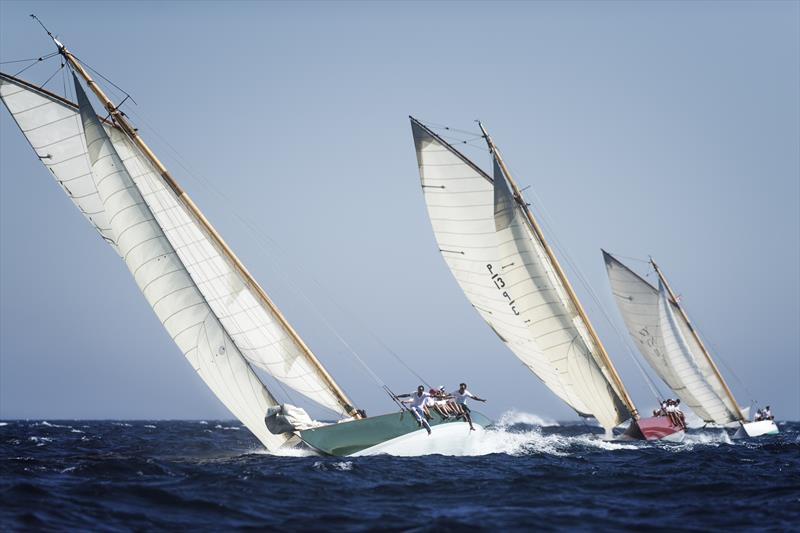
<point x="3" y="424"/>
<point x="499" y="440"/>
<point x="710" y="437"/>
<point x="287" y="452"/>
<point x="48" y="424"/>
<point x="341" y="466"/>
<point x="40" y="441"/>
<point x="512" y="417"/>
<point x="150" y="426"/>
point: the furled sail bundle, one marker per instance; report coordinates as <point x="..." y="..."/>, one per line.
<point x="498" y="256"/>
<point x="216" y="313"/>
<point x="668" y="343"/>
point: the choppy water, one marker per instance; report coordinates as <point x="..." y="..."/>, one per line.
<point x="212" y="475"/>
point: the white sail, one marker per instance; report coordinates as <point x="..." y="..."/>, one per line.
<point x="54" y="131"/>
<point x="666" y="342"/>
<point x="506" y="275"/>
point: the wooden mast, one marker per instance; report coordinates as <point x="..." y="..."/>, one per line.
<point x="563" y="277"/>
<point x="131" y="132"/>
<point x="698" y="339"/>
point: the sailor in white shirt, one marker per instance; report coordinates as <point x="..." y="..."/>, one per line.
<point x="417" y="401"/>
<point x="460" y="396"/>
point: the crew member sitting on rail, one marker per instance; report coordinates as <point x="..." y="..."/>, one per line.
<point x="439" y="403"/>
<point x="416" y="403"/>
<point x="679" y="413"/>
<point x="764" y="414"/>
<point x="460" y="396"/>
<point x="674" y="413"/>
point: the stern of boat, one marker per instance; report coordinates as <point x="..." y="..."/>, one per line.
<point x="756" y="429"/>
<point x="654" y="428"/>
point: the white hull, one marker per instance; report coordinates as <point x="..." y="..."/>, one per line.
<point x="445" y="439"/>
<point x="756" y="429"/>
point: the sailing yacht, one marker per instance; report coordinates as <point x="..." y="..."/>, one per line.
<point x="668" y="341"/>
<point x="221" y="319"/>
<point x="500" y="258"/>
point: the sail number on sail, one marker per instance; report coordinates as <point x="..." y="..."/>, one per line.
<point x="500" y="284"/>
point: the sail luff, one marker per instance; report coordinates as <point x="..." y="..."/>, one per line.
<point x="132" y="134"/>
<point x="534" y="225"/>
<point x="697" y="338"/>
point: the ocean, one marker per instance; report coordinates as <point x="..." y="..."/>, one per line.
<point x="213" y="475"/>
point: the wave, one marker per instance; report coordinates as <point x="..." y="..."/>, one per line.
<point x="340" y="466"/>
<point x="45" y="423"/>
<point x="514" y="417"/>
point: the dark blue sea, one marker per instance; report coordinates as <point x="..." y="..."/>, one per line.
<point x="213" y="475"/>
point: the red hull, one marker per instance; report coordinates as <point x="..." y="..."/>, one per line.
<point x="653" y="428"/>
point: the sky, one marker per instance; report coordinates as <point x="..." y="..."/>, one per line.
<point x="663" y="129"/>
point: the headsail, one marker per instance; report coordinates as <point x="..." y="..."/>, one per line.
<point x="665" y="340"/>
<point x="508" y="277"/>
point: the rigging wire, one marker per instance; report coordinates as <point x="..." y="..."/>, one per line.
<point x="52" y="76"/>
<point x="40" y="58"/>
<point x="120" y="89"/>
<point x="36" y="62"/>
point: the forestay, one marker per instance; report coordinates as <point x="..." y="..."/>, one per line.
<point x="506" y="275"/>
<point x="666" y="342"/>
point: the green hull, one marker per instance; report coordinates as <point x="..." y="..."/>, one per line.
<point x="351" y="437"/>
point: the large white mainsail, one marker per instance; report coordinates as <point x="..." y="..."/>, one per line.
<point x="236" y="322"/>
<point x="509" y="279"/>
<point x="665" y="340"/>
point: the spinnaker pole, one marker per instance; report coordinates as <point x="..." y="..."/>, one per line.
<point x="698" y="339"/>
<point x="119" y="119"/>
<point x="534" y="225"/>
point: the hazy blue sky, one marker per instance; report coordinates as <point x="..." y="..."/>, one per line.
<point x="670" y="129"/>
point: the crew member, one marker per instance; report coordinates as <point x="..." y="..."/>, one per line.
<point x="460" y="396"/>
<point x="416" y="403"/>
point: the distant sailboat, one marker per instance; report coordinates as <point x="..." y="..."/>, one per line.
<point x="497" y="252"/>
<point x="661" y="329"/>
<point x="214" y="310"/>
